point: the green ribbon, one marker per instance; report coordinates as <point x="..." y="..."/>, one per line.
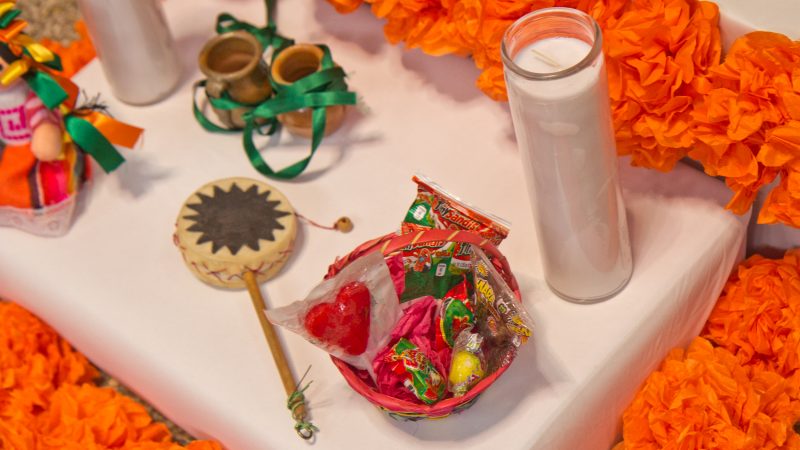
<point x="317" y="91"/>
<point x="91" y="140"/>
<point x="9" y="17"/>
<point x="225" y="103"/>
<point x="46" y="88"/>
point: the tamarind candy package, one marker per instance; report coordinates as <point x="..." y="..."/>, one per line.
<point x="433" y="268"/>
<point x="436" y="208"/>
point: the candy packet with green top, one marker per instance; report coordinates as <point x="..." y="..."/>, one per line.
<point x="433" y="268"/>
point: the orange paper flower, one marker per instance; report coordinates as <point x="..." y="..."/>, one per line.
<point x="46" y="402"/>
<point x="757" y="318"/>
<point x="748" y="124"/>
<point x="655" y="53"/>
<point x="702" y="398"/>
<point x="346" y="6"/>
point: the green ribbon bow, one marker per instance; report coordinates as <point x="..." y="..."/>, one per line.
<point x="89" y="139"/>
<point x="317" y="91"/>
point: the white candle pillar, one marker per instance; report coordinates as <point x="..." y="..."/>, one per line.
<point x="135" y="48"/>
<point x="558" y="92"/>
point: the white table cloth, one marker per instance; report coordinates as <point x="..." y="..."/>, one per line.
<point x="116" y="287"/>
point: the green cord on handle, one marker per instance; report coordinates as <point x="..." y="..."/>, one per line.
<point x="296" y="404"/>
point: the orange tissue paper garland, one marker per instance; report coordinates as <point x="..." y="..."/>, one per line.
<point x="47" y="400"/>
<point x="671" y="96"/>
<point x="747" y="127"/>
<point x="738" y="385"/>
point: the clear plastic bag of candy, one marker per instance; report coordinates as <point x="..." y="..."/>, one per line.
<point x="495" y="300"/>
<point x="350" y="316"/>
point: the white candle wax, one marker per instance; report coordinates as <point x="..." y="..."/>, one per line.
<point x="566" y="141"/>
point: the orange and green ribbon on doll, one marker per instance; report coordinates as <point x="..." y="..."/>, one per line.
<point x="92" y="131"/>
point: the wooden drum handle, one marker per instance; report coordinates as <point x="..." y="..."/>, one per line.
<point x="289" y="384"/>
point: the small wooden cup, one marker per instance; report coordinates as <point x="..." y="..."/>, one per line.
<point x="292" y="64"/>
<point x="234" y="65"/>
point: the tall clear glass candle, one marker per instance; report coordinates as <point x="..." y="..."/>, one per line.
<point x="558" y="92"/>
<point x="135" y="48"/>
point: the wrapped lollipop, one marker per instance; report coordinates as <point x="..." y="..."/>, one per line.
<point x="351" y="315"/>
<point x="468" y="366"/>
<point x="235" y="233"/>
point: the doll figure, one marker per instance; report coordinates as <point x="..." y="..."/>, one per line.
<point x="40" y="170"/>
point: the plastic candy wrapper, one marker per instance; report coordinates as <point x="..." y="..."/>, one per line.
<point x="433" y="268"/>
<point x="416" y="370"/>
<point x="436" y="208"/>
<point x="455" y="314"/>
<point x="350" y="316"/>
<point x="417" y="326"/>
<point x="495" y="297"/>
<point x="468" y="365"/>
<point x="397" y="272"/>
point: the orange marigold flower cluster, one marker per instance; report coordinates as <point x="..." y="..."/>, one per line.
<point x="656" y="53"/>
<point x="747" y="128"/>
<point x="757" y="317"/>
<point x="703" y="398"/>
<point x="47" y="403"/>
<point x="738" y="385"/>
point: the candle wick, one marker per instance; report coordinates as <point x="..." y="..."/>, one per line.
<point x="545" y="58"/>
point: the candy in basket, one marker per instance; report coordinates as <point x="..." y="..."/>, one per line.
<point x="455" y="329"/>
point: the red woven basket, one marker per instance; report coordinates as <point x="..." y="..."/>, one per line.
<point x="392" y="244"/>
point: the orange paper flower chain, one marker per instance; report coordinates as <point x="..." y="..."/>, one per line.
<point x="738" y="385"/>
<point x="670" y="97"/>
<point x="703" y="398"/>
<point x="48" y="403"/>
<point x="747" y="128"/>
<point x="757" y="317"/>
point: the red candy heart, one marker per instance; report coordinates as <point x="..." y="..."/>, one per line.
<point x="345" y="322"/>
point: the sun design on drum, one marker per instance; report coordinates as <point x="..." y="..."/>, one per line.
<point x="235" y="218"/>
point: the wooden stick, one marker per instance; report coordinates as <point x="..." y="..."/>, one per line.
<point x="547" y="59"/>
<point x="274" y="344"/>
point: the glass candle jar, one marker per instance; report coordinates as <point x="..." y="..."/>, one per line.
<point x="135" y="48"/>
<point x="558" y="92"/>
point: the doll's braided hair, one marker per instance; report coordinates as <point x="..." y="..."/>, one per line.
<point x="6" y="54"/>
